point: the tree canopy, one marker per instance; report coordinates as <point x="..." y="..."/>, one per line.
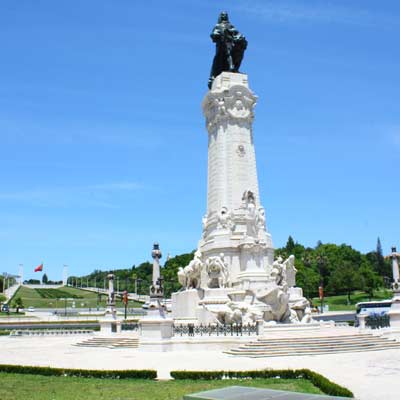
<point x="341" y="269"/>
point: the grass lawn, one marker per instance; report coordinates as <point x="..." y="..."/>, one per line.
<point x="13" y="314"/>
<point x="49" y="298"/>
<point x="36" y="387"/>
<point x="339" y="303"/>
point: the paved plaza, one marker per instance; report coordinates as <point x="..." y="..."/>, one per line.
<point x="370" y="375"/>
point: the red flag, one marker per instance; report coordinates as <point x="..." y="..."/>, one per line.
<point x="39" y="268"/>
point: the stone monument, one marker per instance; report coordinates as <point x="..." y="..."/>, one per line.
<point x="110" y="323"/>
<point x="394" y="311"/>
<point x="156" y="324"/>
<point x="156" y="289"/>
<point x="233" y="276"/>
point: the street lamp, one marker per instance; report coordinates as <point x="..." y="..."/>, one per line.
<point x="138" y="282"/>
<point x="321" y="262"/>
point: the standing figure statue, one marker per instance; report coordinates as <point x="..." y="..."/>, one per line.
<point x="230" y="47"/>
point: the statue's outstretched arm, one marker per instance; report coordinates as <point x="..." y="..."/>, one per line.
<point x="216" y="34"/>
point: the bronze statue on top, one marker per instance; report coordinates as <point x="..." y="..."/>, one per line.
<point x="230" y="47"/>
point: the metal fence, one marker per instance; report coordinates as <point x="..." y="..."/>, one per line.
<point x="215" y="330"/>
<point x="376" y="321"/>
<point x="129" y="326"/>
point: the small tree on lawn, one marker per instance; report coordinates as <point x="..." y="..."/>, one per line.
<point x="45" y="279"/>
<point x="18" y="304"/>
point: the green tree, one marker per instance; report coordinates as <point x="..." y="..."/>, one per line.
<point x="380" y="260"/>
<point x="18" y="304"/>
<point x="345" y="279"/>
<point x="369" y="279"/>
<point x="290" y="245"/>
<point x="45" y="279"/>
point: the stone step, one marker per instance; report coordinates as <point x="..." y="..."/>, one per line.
<point x="312" y="338"/>
<point x="301" y="343"/>
<point x="314" y="345"/>
<point x="111" y="343"/>
<point x="316" y="348"/>
<point x="305" y="353"/>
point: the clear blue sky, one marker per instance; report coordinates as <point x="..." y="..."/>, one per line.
<point x="103" y="148"/>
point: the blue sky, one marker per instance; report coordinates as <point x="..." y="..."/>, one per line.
<point x="103" y="148"/>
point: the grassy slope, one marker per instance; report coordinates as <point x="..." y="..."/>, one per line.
<point x="339" y="303"/>
<point x="34" y="387"/>
<point x="30" y="297"/>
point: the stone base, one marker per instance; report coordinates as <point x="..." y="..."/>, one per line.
<point x="394" y="312"/>
<point x="109" y="326"/>
<point x="156" y="328"/>
<point x="184" y="303"/>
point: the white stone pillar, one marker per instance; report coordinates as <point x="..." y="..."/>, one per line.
<point x="156" y="255"/>
<point x="395" y="267"/>
<point x="111" y="296"/>
<point x="394" y="312"/>
<point x="235" y="221"/>
<point x="228" y="108"/>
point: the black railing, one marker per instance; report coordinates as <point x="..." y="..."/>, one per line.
<point x="215" y="330"/>
<point x="376" y="321"/>
<point x="129" y="326"/>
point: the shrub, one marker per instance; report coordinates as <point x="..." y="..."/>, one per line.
<point x="83" y="373"/>
<point x="324" y="384"/>
<point x="204" y="375"/>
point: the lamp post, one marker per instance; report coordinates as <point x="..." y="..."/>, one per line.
<point x="321" y="261"/>
<point x="125" y="300"/>
<point x="138" y="282"/>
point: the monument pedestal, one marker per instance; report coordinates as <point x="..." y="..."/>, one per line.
<point x="394" y="312"/>
<point x="109" y="325"/>
<point x="156" y="326"/>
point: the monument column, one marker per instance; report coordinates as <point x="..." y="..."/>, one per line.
<point x="228" y="108"/>
<point x="394" y="311"/>
<point x="235" y="221"/>
<point x="156" y="287"/>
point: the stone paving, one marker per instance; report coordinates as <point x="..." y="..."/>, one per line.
<point x="370" y="375"/>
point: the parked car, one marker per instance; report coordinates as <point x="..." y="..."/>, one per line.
<point x="5" y="308"/>
<point x="168" y="305"/>
<point x="146" y="305"/>
<point x="31" y="309"/>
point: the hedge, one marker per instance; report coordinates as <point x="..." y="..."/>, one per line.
<point x="324" y="384"/>
<point x="83" y="373"/>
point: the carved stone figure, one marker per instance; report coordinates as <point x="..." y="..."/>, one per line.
<point x="227" y="315"/>
<point x="204" y="222"/>
<point x="260" y="220"/>
<point x="189" y="277"/>
<point x="277" y="271"/>
<point x="290" y="271"/>
<point x="230" y="47"/>
<point x="249" y="203"/>
<point x="239" y="110"/>
<point x="182" y="279"/>
<point x="307" y="316"/>
<point x="248" y="197"/>
<point x="300" y="308"/>
<point x="277" y="304"/>
<point x="224" y="219"/>
<point x="217" y="271"/>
